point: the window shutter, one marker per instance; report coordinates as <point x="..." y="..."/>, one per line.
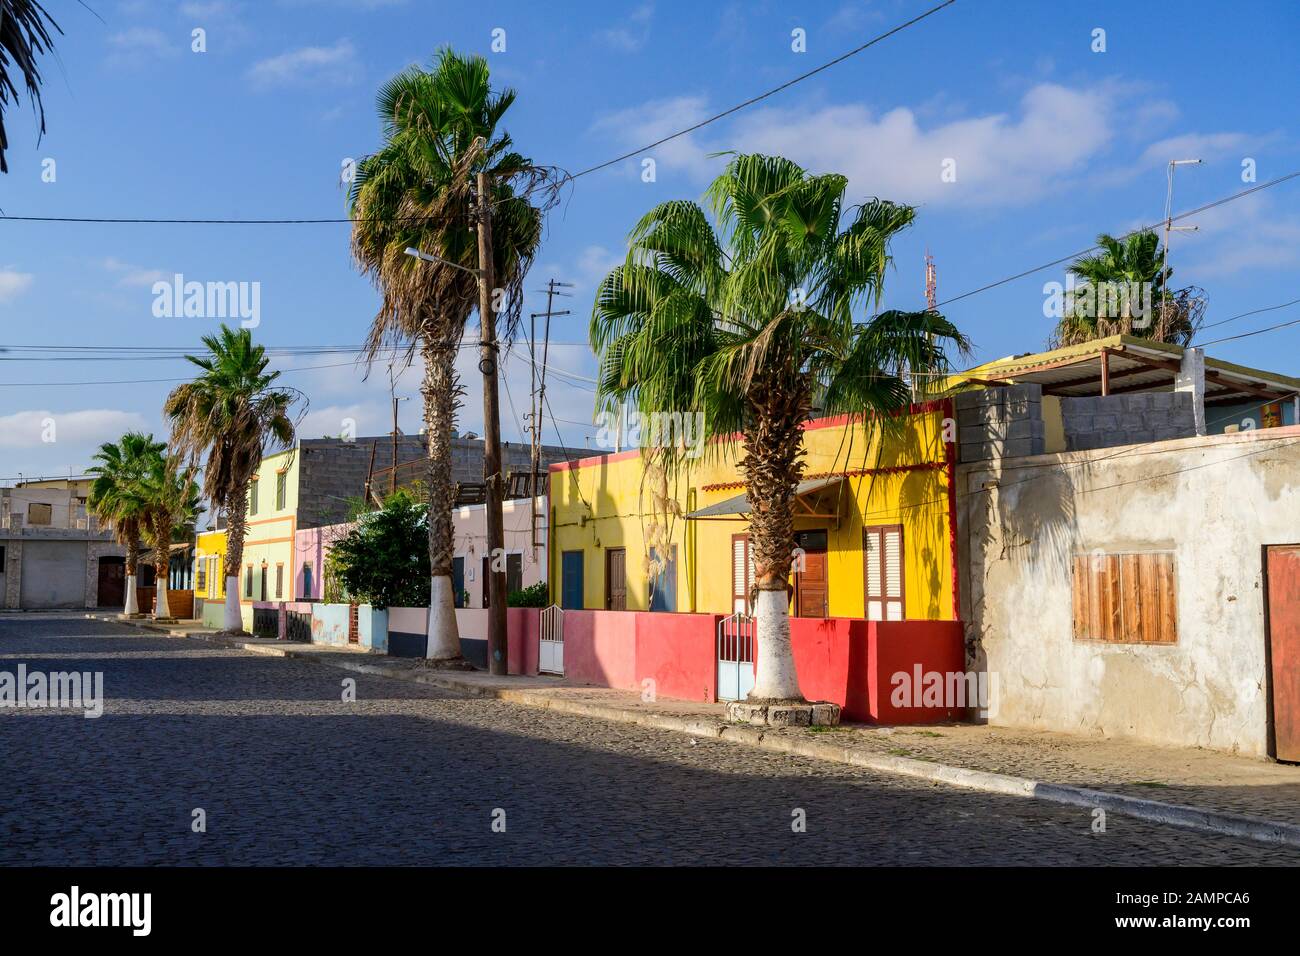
<point x="742" y="573"/>
<point x="1125" y="598"/>
<point x="871" y="556"/>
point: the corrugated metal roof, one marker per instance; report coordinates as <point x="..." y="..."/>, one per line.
<point x="739" y="505"/>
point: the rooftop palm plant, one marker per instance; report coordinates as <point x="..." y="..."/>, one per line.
<point x="752" y="323"/>
<point x="24" y="36"/>
<point x="226" y="419"/>
<point x="1124" y="270"/>
<point x="441" y="127"/>
<point x="115" y="496"/>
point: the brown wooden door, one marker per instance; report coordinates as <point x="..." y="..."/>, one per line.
<point x="1283" y="571"/>
<point x="112" y="582"/>
<point x="615" y="579"/>
<point x="811" y="585"/>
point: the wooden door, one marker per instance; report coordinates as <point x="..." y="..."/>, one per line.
<point x="1283" y="572"/>
<point x="615" y="579"/>
<point x="811" y="591"/>
<point x="112" y="582"/>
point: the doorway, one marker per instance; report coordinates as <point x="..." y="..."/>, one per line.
<point x="616" y="579"/>
<point x="112" y="582"/>
<point x="811" y="589"/>
<point x="1282" y="571"/>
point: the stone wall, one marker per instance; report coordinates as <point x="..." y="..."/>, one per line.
<point x="1106" y="422"/>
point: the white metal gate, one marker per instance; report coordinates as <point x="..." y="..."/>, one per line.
<point x="550" y="653"/>
<point x="735" y="657"/>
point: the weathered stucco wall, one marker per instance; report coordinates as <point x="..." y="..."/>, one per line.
<point x="1214" y="502"/>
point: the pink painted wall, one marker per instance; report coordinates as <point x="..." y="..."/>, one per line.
<point x="677" y="651"/>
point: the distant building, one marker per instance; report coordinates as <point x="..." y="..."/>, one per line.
<point x="320" y="482"/>
<point x="53" y="554"/>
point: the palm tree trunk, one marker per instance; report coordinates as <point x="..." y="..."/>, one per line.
<point x="236" y="527"/>
<point x="132" y="605"/>
<point x="162" y="535"/>
<point x="772" y="466"/>
<point x="440" y="389"/>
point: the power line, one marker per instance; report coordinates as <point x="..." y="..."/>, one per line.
<point x="568" y="178"/>
<point x="762" y="96"/>
<point x="1246" y="335"/>
<point x="1271" y="308"/>
<point x="1084" y="252"/>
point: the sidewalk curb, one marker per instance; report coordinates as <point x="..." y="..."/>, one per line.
<point x="1155" y="811"/>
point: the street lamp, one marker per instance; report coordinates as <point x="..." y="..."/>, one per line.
<point x="1169" y="212"/>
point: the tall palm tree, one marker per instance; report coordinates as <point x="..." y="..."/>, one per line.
<point x="115" y="496"/>
<point x="171" y="498"/>
<point x="753" y="324"/>
<point x="441" y="127"/>
<point x="1130" y="265"/>
<point x="24" y="35"/>
<point x="232" y="414"/>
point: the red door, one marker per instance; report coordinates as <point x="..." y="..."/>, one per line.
<point x="1283" y="572"/>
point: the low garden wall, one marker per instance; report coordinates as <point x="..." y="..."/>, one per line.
<point x="875" y="670"/>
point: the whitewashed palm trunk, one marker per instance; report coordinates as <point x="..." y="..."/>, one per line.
<point x="132" y="560"/>
<point x="440" y="389"/>
<point x="236" y="527"/>
<point x="775" y="678"/>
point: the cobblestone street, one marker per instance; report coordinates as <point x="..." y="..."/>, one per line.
<point x="286" y="772"/>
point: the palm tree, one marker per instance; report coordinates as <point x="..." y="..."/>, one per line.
<point x="752" y="326"/>
<point x="172" y="501"/>
<point x="441" y="127"/>
<point x="115" y="496"/>
<point x="1124" y="269"/>
<point x="233" y="415"/>
<point x="24" y="35"/>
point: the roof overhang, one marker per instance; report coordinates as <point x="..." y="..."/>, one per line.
<point x="1123" y="363"/>
<point x="807" y="501"/>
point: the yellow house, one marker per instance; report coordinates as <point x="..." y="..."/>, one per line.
<point x="209" y="576"/>
<point x="267" y="573"/>
<point x="875" y="525"/>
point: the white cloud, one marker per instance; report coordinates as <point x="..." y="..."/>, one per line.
<point x="94" y="426"/>
<point x="133" y="276"/>
<point x="631" y="35"/>
<point x="308" y="66"/>
<point x="1247" y="235"/>
<point x="130" y="45"/>
<point x="1000" y="158"/>
<point x="13" y="283"/>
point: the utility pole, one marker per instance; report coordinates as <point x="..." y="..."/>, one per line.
<point x="538" y="396"/>
<point x="392" y="391"/>
<point x="498" y="646"/>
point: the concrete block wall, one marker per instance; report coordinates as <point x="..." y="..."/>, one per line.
<point x="333" y="471"/>
<point x="1000" y="422"/>
<point x="1113" y="420"/>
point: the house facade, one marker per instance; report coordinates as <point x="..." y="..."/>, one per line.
<point x="53" y="554"/>
<point x="1129" y="518"/>
<point x="874" y="521"/>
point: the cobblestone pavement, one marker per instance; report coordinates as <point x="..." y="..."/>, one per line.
<point x="286" y="772"/>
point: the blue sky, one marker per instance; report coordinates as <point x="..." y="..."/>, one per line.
<point x="1053" y="143"/>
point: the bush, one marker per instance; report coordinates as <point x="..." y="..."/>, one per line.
<point x="535" y="595"/>
<point x="384" y="560"/>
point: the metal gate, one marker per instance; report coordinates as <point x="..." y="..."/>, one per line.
<point x="735" y="657"/>
<point x="550" y="653"/>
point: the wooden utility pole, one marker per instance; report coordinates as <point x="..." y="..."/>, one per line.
<point x="538" y="394"/>
<point x="498" y="646"/>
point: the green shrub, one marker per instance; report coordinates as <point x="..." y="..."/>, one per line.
<point x="535" y="595"/>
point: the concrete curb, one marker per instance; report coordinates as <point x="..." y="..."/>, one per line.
<point x="1155" y="811"/>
